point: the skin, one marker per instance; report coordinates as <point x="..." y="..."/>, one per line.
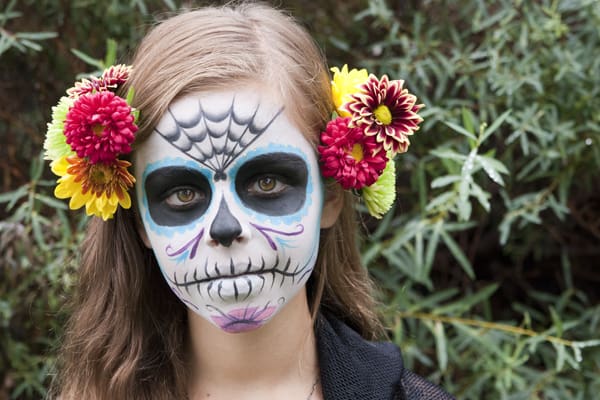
<point x="232" y="204"/>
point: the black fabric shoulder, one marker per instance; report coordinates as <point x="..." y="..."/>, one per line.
<point x="416" y="388"/>
<point x="353" y="368"/>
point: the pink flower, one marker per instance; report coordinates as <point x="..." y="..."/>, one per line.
<point x="348" y="155"/>
<point x="86" y="86"/>
<point x="116" y="75"/>
<point x="100" y="126"/>
<point x="385" y="110"/>
<point x="111" y="78"/>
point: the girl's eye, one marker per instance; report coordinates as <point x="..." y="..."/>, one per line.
<point x="184" y="198"/>
<point x="266" y="186"/>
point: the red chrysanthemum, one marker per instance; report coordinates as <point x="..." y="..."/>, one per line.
<point x="348" y="155"/>
<point x="100" y="126"/>
<point x="386" y="111"/>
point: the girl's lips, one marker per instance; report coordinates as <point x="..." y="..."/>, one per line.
<point x="243" y="319"/>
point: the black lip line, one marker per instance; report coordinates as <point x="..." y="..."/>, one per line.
<point x="261" y="271"/>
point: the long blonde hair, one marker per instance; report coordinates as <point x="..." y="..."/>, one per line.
<point x="126" y="337"/>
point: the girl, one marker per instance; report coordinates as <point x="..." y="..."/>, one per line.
<point x="235" y="273"/>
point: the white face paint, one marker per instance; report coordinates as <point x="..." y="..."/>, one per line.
<point x="230" y="195"/>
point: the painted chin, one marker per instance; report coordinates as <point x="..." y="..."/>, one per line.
<point x="244" y="319"/>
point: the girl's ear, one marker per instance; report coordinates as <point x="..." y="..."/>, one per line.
<point x="332" y="206"/>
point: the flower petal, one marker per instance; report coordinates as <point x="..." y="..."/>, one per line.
<point x="380" y="196"/>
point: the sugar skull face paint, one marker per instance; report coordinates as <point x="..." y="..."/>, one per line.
<point x="230" y="196"/>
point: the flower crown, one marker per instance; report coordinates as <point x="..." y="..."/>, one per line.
<point x="90" y="128"/>
<point x="371" y="124"/>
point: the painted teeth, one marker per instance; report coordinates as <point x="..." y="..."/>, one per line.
<point x="240" y="289"/>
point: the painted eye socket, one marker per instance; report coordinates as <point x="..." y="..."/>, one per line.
<point x="183" y="198"/>
<point x="176" y="195"/>
<point x="267" y="186"/>
<point x="273" y="183"/>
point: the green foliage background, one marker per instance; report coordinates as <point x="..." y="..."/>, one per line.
<point x="488" y="266"/>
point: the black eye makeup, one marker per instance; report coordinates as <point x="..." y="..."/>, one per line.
<point x="273" y="184"/>
<point x="176" y="195"/>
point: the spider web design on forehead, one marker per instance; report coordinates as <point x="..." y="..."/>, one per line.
<point x="216" y="138"/>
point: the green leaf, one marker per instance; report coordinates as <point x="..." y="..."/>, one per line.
<point x="36" y="35"/>
<point x="493" y="168"/>
<point x="443" y="201"/>
<point x="448" y="154"/>
<point x="130" y="94"/>
<point x="463" y="203"/>
<point x="422" y="185"/>
<point x="481" y="196"/>
<point x="445" y="180"/>
<point x="37" y="231"/>
<point x="111" y="53"/>
<point x="560" y="356"/>
<point x="372" y="252"/>
<point x="440" y="345"/>
<point x="461" y="130"/>
<point x="13" y="197"/>
<point x="88" y="59"/>
<point x="37" y="167"/>
<point x="170" y="4"/>
<point x="32" y="45"/>
<point x="432" y="245"/>
<point x="467" y="302"/>
<point x="50" y="201"/>
<point x="495" y="125"/>
<point x="458" y="254"/>
<point x="467" y="119"/>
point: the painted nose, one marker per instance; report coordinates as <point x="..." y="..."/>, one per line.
<point x="225" y="227"/>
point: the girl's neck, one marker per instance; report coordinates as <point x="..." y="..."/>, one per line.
<point x="281" y="354"/>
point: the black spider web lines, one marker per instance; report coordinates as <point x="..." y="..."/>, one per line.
<point x="215" y="139"/>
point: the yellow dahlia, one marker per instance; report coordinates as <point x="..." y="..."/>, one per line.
<point x="100" y="187"/>
<point x="344" y="84"/>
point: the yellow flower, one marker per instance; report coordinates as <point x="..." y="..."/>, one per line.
<point x="344" y="84"/>
<point x="380" y="196"/>
<point x="100" y="187"/>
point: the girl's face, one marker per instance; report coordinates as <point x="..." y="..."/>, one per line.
<point x="230" y="196"/>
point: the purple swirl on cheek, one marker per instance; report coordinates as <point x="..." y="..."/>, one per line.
<point x="266" y="233"/>
<point x="188" y="250"/>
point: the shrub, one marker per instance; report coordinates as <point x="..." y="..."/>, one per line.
<point x="485" y="265"/>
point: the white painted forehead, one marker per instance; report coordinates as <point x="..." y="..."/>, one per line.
<point x="247" y="106"/>
<point x="215" y="128"/>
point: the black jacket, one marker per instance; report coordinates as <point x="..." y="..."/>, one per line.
<point x="353" y="368"/>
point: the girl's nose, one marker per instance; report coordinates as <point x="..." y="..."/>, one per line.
<point x="225" y="228"/>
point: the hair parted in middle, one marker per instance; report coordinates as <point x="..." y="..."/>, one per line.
<point x="127" y="326"/>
